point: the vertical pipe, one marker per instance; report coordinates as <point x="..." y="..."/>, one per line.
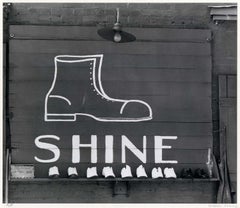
<point x="117" y="15"/>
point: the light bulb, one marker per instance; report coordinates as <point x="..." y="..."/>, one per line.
<point x="117" y="37"/>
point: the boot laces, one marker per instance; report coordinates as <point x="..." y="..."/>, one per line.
<point x="91" y="79"/>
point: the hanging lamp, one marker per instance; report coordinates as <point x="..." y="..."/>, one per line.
<point x="115" y="33"/>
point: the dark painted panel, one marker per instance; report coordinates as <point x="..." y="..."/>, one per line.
<point x="86" y="33"/>
<point x="146" y="192"/>
<point x="126" y="89"/>
<point x="188" y="142"/>
<point x="92" y="127"/>
<point x="119" y="61"/>
<point x="180" y="155"/>
<point x="163" y="115"/>
<point x="165" y="108"/>
<point x="167" y="75"/>
<point x="98" y="47"/>
<point x="136" y="74"/>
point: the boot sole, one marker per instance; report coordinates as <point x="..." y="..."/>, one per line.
<point x="73" y="117"/>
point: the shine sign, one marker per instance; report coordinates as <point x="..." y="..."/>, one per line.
<point x="77" y="146"/>
<point x="65" y="108"/>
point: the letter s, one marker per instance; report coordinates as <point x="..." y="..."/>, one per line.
<point x="43" y="145"/>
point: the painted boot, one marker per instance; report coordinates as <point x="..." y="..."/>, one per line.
<point x="77" y="90"/>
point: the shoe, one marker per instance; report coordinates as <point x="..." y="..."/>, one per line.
<point x="200" y="173"/>
<point x="140" y="172"/>
<point x="186" y="173"/>
<point x="157" y="173"/>
<point x="107" y="172"/>
<point x="72" y="172"/>
<point x="85" y="73"/>
<point x="92" y="172"/>
<point x="169" y="173"/>
<point x="53" y="172"/>
<point x="126" y="172"/>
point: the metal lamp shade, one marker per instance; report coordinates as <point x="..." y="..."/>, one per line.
<point x="108" y="34"/>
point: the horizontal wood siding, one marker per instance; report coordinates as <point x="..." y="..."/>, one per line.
<point x="170" y="69"/>
<point x="140" y="192"/>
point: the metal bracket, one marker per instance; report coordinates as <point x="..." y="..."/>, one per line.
<point x="120" y="188"/>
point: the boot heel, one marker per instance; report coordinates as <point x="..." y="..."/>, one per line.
<point x="60" y="117"/>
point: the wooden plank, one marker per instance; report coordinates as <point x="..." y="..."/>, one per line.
<point x="4" y="55"/>
<point x="159" y="114"/>
<point x="118" y="61"/>
<point x="225" y="17"/>
<point x="4" y="129"/>
<point x="152" y="90"/>
<point x="224" y="11"/>
<point x="98" y="47"/>
<point x="164" y="98"/>
<point x="122" y="89"/>
<point x="222" y="86"/>
<point x="165" y="108"/>
<point x="86" y="33"/>
<point x="232" y="86"/>
<point x="123" y="74"/>
<point x="92" y="127"/>
<point x="227" y="102"/>
<point x="140" y="192"/>
<point x="186" y="142"/>
<point x="231" y="122"/>
<point x="181" y="155"/>
<point x="233" y="176"/>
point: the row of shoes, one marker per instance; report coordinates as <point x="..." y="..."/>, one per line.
<point x="107" y="172"/>
<point x="189" y="173"/>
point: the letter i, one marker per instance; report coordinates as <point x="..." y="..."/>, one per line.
<point x="108" y="149"/>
